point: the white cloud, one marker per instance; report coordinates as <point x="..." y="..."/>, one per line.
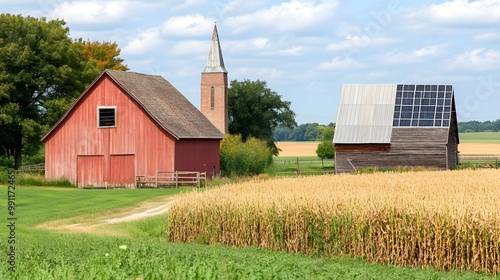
<point x="464" y="12"/>
<point x="227" y="7"/>
<point x="376" y="75"/>
<point x="487" y="36"/>
<point x="427" y="50"/>
<point x="359" y="41"/>
<point x="290" y="51"/>
<point x="269" y="73"/>
<point x="414" y="56"/>
<point x="260" y="42"/>
<point x="90" y="12"/>
<point x="190" y="47"/>
<point x="263" y="73"/>
<point x="146" y="41"/>
<point x="183" y="26"/>
<point x="293" y="15"/>
<point x="477" y="59"/>
<point x="189" y="25"/>
<point x="338" y="63"/>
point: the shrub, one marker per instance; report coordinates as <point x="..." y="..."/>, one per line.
<point x="244" y="158"/>
<point x="325" y="150"/>
<point x="6" y="163"/>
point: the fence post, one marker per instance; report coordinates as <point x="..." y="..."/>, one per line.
<point x="156" y="180"/>
<point x="298" y="166"/>
<point x="176" y="179"/>
<point x="198" y="179"/>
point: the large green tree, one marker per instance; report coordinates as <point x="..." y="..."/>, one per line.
<point x="42" y="71"/>
<point x="255" y="111"/>
<point x="105" y="55"/>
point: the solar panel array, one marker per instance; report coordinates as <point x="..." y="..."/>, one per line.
<point x="423" y="106"/>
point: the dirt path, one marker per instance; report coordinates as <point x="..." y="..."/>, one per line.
<point x="96" y="224"/>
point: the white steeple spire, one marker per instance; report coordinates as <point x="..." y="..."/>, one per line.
<point x="215" y="63"/>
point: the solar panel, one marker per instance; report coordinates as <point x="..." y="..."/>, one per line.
<point x="423" y="105"/>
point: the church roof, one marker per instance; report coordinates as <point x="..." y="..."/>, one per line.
<point x="215" y="63"/>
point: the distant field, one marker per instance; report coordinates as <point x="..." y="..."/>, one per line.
<point x="479" y="149"/>
<point x="480" y="137"/>
<point x="297" y="149"/>
<point x="471" y="143"/>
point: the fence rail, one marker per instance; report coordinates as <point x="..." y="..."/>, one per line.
<point x="481" y="161"/>
<point x="40" y="167"/>
<point x="165" y="179"/>
<point x="294" y="167"/>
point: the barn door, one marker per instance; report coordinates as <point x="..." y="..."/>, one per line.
<point x="90" y="171"/>
<point x="122" y="173"/>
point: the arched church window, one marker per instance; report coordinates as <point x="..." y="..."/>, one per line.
<point x="212" y="97"/>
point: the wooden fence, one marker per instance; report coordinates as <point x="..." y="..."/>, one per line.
<point x="480" y="161"/>
<point x="40" y="167"/>
<point x="171" y="179"/>
<point x="294" y="167"/>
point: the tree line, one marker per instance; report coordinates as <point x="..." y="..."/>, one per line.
<point x="305" y="132"/>
<point x="476" y="126"/>
<point x="42" y="71"/>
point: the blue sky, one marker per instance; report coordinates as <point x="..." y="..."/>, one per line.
<point x="305" y="50"/>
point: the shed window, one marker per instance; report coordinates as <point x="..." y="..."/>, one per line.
<point x="107" y="116"/>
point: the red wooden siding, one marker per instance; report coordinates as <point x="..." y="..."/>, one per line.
<point x="122" y="170"/>
<point x="135" y="134"/>
<point x="198" y="155"/>
<point x="90" y="171"/>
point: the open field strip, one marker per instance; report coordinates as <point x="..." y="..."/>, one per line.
<point x="297" y="149"/>
<point x="480" y="137"/>
<point x="479" y="149"/>
<point x="446" y="219"/>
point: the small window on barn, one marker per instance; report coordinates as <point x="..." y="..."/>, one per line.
<point x="106" y="116"/>
<point x="212" y="97"/>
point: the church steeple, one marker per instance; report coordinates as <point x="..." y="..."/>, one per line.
<point x="215" y="63"/>
<point x="214" y="87"/>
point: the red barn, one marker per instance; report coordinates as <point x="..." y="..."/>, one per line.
<point x="128" y="124"/>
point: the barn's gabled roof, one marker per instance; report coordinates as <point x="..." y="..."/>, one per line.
<point x="162" y="101"/>
<point x="369" y="113"/>
<point x="215" y="63"/>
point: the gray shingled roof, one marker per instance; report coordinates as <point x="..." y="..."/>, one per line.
<point x="163" y="102"/>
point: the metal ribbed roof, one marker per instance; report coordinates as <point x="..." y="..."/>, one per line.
<point x="365" y="114"/>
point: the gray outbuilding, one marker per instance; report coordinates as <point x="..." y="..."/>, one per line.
<point x="392" y="125"/>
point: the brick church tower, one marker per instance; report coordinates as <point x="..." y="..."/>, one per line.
<point x="214" y="87"/>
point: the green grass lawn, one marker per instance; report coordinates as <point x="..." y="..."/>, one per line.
<point x="306" y="165"/>
<point x="146" y="254"/>
<point x="480" y="137"/>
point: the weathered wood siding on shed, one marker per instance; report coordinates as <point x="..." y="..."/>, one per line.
<point x="198" y="155"/>
<point x="135" y="134"/>
<point x="409" y="147"/>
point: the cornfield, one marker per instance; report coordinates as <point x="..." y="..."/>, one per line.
<point x="446" y="219"/>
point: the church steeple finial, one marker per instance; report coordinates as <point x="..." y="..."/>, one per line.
<point x="215" y="63"/>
